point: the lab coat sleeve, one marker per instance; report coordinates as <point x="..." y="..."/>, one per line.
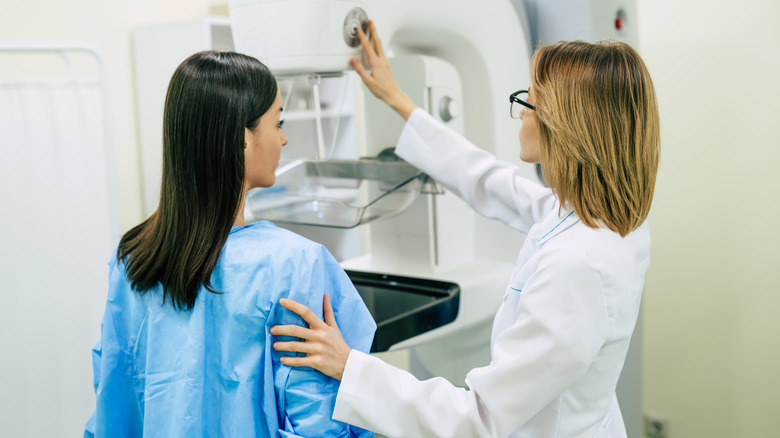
<point x="392" y="402"/>
<point x="560" y="327"/>
<point x="492" y="187"/>
<point x="307" y="397"/>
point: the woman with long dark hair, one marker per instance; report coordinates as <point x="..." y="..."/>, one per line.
<point x="193" y="290"/>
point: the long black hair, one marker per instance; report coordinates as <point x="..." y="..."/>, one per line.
<point x="211" y="98"/>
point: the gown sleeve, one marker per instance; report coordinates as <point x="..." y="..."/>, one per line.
<point x="306" y="396"/>
<point x="97" y="350"/>
<point x="119" y="406"/>
<point x="560" y="326"/>
<point x="492" y="187"/>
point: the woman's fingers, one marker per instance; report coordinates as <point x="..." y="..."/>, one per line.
<point x="297" y="361"/>
<point x="304" y="312"/>
<point x="361" y="71"/>
<point x="327" y="312"/>
<point x="368" y="48"/>
<point x="380" y="50"/>
<point x="323" y="344"/>
<point x="295" y="331"/>
<point x="300" y="347"/>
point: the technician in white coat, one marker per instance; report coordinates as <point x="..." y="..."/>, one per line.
<point x="561" y="335"/>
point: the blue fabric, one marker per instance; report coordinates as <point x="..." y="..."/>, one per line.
<point x="211" y="371"/>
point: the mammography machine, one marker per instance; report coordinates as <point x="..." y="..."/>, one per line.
<point x="409" y="228"/>
<point x="429" y="268"/>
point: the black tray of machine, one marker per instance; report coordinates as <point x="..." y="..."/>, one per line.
<point x="404" y="307"/>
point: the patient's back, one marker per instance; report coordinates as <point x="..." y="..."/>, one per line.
<point x="211" y="370"/>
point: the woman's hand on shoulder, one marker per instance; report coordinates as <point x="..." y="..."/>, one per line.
<point x="324" y="346"/>
<point x="380" y="80"/>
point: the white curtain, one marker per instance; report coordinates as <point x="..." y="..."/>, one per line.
<point x="57" y="231"/>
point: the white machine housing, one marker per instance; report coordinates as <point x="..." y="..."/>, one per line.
<point x="296" y="37"/>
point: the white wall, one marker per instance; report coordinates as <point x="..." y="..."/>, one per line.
<point x="712" y="329"/>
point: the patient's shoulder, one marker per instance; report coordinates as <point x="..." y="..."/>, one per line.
<point x="264" y="239"/>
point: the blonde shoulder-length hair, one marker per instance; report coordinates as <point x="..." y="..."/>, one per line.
<point x="599" y="134"/>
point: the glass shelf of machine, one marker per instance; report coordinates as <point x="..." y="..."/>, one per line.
<point x="338" y="193"/>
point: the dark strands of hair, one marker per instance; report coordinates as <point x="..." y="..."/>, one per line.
<point x="212" y="97"/>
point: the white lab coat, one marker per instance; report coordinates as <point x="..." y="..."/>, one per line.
<point x="560" y="337"/>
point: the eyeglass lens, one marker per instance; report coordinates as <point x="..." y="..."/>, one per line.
<point x="516" y="110"/>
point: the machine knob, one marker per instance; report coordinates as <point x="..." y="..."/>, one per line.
<point x="357" y="17"/>
<point x="448" y="108"/>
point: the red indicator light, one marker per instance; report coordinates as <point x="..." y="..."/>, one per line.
<point x="619" y="23"/>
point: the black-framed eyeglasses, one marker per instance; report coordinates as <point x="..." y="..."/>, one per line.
<point x="517" y="105"/>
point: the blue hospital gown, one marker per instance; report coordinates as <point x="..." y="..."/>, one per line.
<point x="211" y="371"/>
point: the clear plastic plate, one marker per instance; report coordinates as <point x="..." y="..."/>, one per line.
<point x="337" y="193"/>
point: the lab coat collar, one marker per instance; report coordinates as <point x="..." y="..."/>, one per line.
<point x="556" y="223"/>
